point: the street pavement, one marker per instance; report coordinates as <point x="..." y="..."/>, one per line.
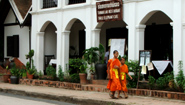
<point x="82" y="97"/>
<point x="11" y="99"/>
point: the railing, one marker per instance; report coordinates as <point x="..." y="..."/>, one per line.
<point x="76" y="1"/>
<point x="50" y="3"/>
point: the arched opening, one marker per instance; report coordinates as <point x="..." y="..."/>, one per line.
<point x="77" y="39"/>
<point x="50" y="44"/>
<point x="159" y="36"/>
<point x="113" y="30"/>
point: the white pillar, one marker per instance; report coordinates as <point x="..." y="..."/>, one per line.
<point x="40" y="51"/>
<point x="140" y="35"/>
<point x="65" y="49"/>
<point x="96" y="37"/>
<point x="59" y="50"/>
<point x="59" y="3"/>
<point x="88" y="36"/>
<point x="132" y="31"/>
<point x="183" y="48"/>
<point x="177" y="34"/>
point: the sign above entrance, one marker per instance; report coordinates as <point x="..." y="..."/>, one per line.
<point x="109" y="10"/>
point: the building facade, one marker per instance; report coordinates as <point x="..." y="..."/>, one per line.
<point x="60" y="25"/>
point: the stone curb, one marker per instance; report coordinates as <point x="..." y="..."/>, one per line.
<point x="69" y="99"/>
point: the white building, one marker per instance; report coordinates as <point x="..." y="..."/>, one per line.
<point x="16" y="28"/>
<point x="157" y="25"/>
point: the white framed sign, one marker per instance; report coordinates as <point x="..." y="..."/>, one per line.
<point x="119" y="45"/>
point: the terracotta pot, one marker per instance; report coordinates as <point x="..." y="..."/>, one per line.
<point x="9" y="80"/>
<point x="29" y="76"/>
<point x="92" y="76"/>
<point x="6" y="77"/>
<point x="169" y="95"/>
<point x="83" y="78"/>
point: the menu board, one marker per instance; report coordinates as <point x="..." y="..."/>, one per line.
<point x="117" y="44"/>
<point x="144" y="57"/>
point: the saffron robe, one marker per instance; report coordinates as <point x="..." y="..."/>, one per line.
<point x="123" y="72"/>
<point x="114" y="82"/>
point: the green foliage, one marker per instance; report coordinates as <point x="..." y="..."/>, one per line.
<point x="90" y="55"/>
<point x="92" y="70"/>
<point x="83" y="67"/>
<point x="40" y="74"/>
<point x="31" y="53"/>
<point x="60" y="74"/>
<point x="151" y="80"/>
<point x="101" y="53"/>
<point x="180" y="77"/>
<point x="184" y="85"/>
<point x="133" y="66"/>
<point x="169" y="76"/>
<point x="74" y="78"/>
<point x="50" y="71"/>
<point x="31" y="69"/>
<point x="162" y="82"/>
<point x="23" y="72"/>
<point x="74" y="65"/>
<point x="119" y="57"/>
<point x="15" y="71"/>
<point x="28" y="65"/>
<point x="132" y="83"/>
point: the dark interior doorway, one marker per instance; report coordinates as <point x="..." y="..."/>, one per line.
<point x="121" y="32"/>
<point x="159" y="39"/>
<point x="1" y="43"/>
<point x="82" y="42"/>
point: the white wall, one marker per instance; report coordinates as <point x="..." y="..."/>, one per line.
<point x="23" y="40"/>
<point x="135" y="14"/>
<point x="10" y="17"/>
<point x="16" y="30"/>
<point x="50" y="40"/>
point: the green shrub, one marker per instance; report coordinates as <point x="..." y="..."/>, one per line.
<point x="151" y="80"/>
<point x="83" y="67"/>
<point x="180" y="77"/>
<point x="184" y="85"/>
<point x="60" y="74"/>
<point x="133" y="66"/>
<point x="161" y="82"/>
<point x="74" y="65"/>
<point x="74" y="78"/>
<point x="51" y="71"/>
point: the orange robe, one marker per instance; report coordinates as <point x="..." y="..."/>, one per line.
<point x="114" y="83"/>
<point x="123" y="72"/>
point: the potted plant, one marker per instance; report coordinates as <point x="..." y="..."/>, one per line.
<point x="83" y="73"/>
<point x="101" y="67"/>
<point x="51" y="72"/>
<point x="91" y="56"/>
<point x="6" y="75"/>
<point x="14" y="75"/>
<point x="30" y="70"/>
<point x="92" y="72"/>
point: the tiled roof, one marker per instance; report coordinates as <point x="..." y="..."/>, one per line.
<point x="23" y="6"/>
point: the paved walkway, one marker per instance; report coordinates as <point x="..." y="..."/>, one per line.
<point x="85" y="97"/>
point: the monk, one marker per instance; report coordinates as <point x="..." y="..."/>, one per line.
<point x="123" y="72"/>
<point x="113" y="75"/>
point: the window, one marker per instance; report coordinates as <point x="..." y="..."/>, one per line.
<point x="76" y="1"/>
<point x="50" y="3"/>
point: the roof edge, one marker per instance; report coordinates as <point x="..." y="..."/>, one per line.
<point x="16" y="11"/>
